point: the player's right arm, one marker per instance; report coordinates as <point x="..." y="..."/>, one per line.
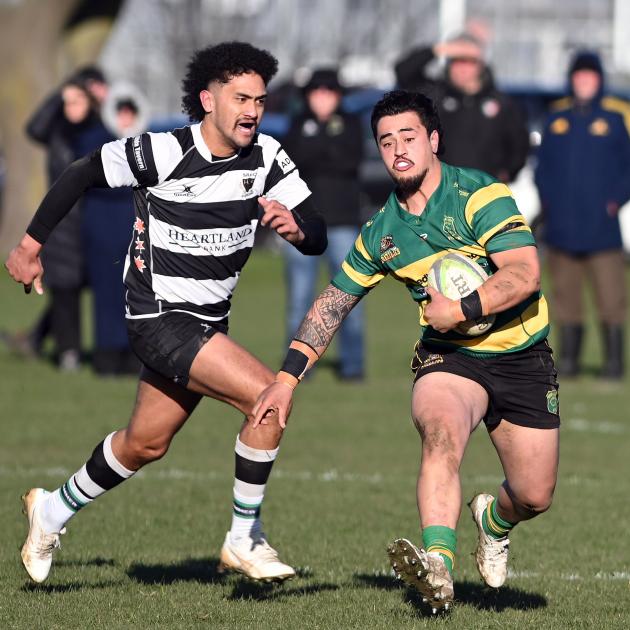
<point x="144" y="160"/>
<point x="23" y="263"/>
<point x="312" y="339"/>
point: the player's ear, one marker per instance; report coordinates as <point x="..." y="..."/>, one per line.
<point x="207" y="101"/>
<point x="434" y="140"/>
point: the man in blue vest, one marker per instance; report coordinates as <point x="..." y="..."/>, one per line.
<point x="583" y="177"/>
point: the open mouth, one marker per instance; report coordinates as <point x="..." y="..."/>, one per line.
<point x="402" y="164"/>
<point x="246" y="126"/>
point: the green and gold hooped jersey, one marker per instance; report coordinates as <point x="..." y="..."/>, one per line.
<point x="470" y="213"/>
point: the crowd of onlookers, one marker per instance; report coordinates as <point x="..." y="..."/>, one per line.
<point x="88" y="247"/>
<point x="582" y="174"/>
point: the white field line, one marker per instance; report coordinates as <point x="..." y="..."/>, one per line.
<point x="329" y="476"/>
<point x="611" y="576"/>
<point x="582" y="425"/>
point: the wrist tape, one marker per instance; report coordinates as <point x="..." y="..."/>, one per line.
<point x="471" y="306"/>
<point x="299" y="359"/>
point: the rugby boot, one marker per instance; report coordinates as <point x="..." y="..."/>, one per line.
<point x="491" y="553"/>
<point x="255" y="558"/>
<point x="38" y="549"/>
<point x="425" y="571"/>
<point x="613" y="352"/>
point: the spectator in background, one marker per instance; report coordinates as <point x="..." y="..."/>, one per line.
<point x="95" y="82"/>
<point x="326" y="144"/>
<point x="107" y="226"/>
<point x="483" y="128"/>
<point x="90" y="244"/>
<point x="126" y="118"/>
<point x="57" y="124"/>
<point x="583" y="178"/>
<point x="125" y="112"/>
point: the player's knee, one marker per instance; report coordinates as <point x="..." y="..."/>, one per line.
<point x="143" y="453"/>
<point x="532" y="502"/>
<point x="438" y="446"/>
<point x="433" y="432"/>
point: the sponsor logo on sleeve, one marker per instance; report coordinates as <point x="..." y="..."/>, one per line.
<point x="284" y="161"/>
<point x="138" y="153"/>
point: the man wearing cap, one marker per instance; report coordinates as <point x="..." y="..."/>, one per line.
<point x="326" y="144"/>
<point x="583" y="177"/>
<point x="483" y="128"/>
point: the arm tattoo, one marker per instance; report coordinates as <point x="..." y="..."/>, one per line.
<point x="324" y="318"/>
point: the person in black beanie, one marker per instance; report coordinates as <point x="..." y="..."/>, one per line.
<point x="583" y="177"/>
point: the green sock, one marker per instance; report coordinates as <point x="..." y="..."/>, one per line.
<point x="443" y="540"/>
<point x="493" y="524"/>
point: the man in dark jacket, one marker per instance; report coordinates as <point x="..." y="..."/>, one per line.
<point x="583" y="177"/>
<point x="327" y="146"/>
<point x="483" y="128"/>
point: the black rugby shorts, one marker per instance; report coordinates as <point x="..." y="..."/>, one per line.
<point x="522" y="386"/>
<point x="169" y="343"/>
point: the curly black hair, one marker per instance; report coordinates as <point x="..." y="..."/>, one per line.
<point x="400" y="101"/>
<point x="221" y="63"/>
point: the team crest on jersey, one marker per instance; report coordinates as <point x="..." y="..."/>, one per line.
<point x="450" y="230"/>
<point x="388" y="248"/>
<point x="248" y="180"/>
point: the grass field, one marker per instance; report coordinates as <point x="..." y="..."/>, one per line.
<point x="146" y="554"/>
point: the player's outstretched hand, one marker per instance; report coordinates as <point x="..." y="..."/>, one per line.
<point x="442" y="313"/>
<point x="275" y="399"/>
<point x="24" y="265"/>
<point x="280" y="219"/>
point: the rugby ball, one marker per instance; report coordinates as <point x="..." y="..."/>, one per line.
<point x="455" y="276"/>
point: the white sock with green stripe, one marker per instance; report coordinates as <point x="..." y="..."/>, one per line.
<point x="100" y="473"/>
<point x="253" y="467"/>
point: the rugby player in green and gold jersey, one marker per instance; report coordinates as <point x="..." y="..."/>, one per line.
<point x="505" y="377"/>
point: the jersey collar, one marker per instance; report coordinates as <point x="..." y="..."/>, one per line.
<point x="435" y="199"/>
<point x="202" y="147"/>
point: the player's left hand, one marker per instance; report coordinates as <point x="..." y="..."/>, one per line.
<point x="277" y="398"/>
<point x="280" y="219"/>
<point x="441" y="313"/>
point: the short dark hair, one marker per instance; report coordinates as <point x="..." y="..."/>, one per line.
<point x="127" y="103"/>
<point x="90" y="73"/>
<point x="221" y="63"/>
<point x="401" y="101"/>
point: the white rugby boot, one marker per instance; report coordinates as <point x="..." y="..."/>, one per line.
<point x="491" y="553"/>
<point x="423" y="570"/>
<point x="255" y="558"/>
<point x="38" y="549"/>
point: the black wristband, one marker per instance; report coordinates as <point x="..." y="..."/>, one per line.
<point x="295" y="363"/>
<point x="471" y="306"/>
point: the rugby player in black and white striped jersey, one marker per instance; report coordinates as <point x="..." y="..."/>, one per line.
<point x="200" y="192"/>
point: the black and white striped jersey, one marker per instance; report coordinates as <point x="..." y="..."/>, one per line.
<point x="196" y="216"/>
